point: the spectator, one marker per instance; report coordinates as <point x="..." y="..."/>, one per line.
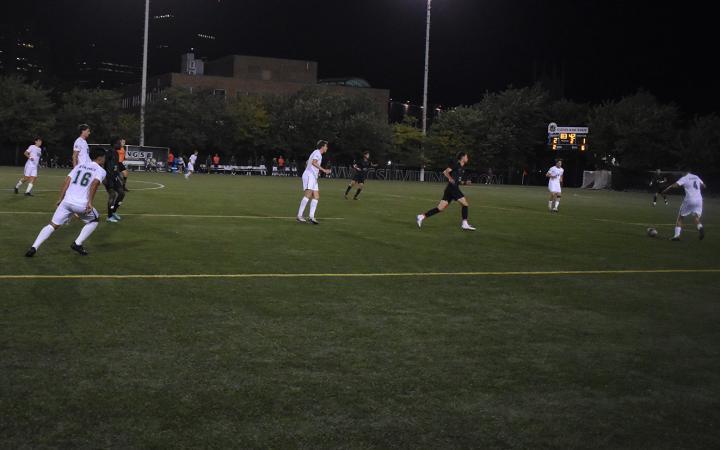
<point x="281" y="166"/>
<point x="171" y="161"/>
<point x="216" y="160"/>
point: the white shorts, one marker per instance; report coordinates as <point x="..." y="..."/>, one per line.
<point x="30" y="170"/>
<point x="65" y="211"/>
<point x="554" y="187"/>
<point x="691" y="207"/>
<point x="310" y="182"/>
<point x="191" y="168"/>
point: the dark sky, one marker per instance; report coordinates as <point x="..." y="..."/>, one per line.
<point x="608" y="48"/>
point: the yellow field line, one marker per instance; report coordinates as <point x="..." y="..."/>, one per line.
<point x="358" y="275"/>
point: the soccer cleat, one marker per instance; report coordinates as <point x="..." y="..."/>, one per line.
<point x="346" y="197"/>
<point x="79" y="248"/>
<point x="666" y="202"/>
<point x="313" y="221"/>
<point x="16" y="190"/>
<point x="419" y="220"/>
<point x="301" y="220"/>
<point x="467" y="226"/>
<point x="654" y="204"/>
<point x="117" y="216"/>
<point x="29" y="194"/>
<point x="112" y="219"/>
<point x="555" y="210"/>
<point x="31" y="252"/>
<point x="675" y="238"/>
<point x="701" y="232"/>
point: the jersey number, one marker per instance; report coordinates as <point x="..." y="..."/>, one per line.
<point x="84" y="180"/>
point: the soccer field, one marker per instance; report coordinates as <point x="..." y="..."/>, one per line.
<point x="209" y="318"/>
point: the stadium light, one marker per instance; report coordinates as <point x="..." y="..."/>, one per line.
<point x="143" y="88"/>
<point x="427" y="68"/>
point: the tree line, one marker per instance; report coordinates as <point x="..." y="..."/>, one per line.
<point x="506" y="130"/>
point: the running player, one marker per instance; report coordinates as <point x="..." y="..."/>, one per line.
<point x="311" y="187"/>
<point x="455" y="174"/>
<point x="191" y="164"/>
<point x="658" y="183"/>
<point x="76" y="198"/>
<point x="31" y="166"/>
<point x="555" y="176"/>
<point x="113" y="180"/>
<point x="81" y="153"/>
<point x="360" y="175"/>
<point x="692" y="204"/>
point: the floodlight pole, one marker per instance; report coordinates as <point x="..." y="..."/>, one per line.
<point x="427" y="69"/>
<point x="143" y="89"/>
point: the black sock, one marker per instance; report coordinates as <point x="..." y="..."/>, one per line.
<point x="464" y="212"/>
<point x="432" y="212"/>
<point x="358" y="193"/>
<point x="655" y="198"/>
<point x="347" y="191"/>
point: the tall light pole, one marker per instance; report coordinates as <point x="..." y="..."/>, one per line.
<point x="427" y="69"/>
<point x="143" y="89"/>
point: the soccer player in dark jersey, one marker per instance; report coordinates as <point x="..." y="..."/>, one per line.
<point x="114" y="182"/>
<point x="455" y="173"/>
<point x="361" y="170"/>
<point x="658" y="183"/>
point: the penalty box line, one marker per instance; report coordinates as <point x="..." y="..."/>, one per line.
<point x="360" y="275"/>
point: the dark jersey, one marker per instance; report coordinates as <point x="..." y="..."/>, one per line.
<point x="111" y="161"/>
<point x="458" y="173"/>
<point x="364" y="166"/>
<point x="658" y="180"/>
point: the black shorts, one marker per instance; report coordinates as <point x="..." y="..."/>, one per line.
<point x="452" y="192"/>
<point x="359" y="177"/>
<point x="113" y="182"/>
<point x="121" y="167"/>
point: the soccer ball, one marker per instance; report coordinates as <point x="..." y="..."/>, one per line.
<point x="652" y="232"/>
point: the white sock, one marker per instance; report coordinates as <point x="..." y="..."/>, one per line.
<point x="677" y="231"/>
<point x="29" y="188"/>
<point x="85" y="233"/>
<point x="19" y="183"/>
<point x="699" y="226"/>
<point x="303" y="204"/>
<point x="550" y="204"/>
<point x="44" y="234"/>
<point x="557" y="203"/>
<point x="313" y="207"/>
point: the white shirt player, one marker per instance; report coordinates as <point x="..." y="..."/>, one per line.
<point x="35" y="153"/>
<point x="81" y="178"/>
<point x="193" y="158"/>
<point x="693" y="201"/>
<point x="310" y="168"/>
<point x="81" y="146"/>
<point x="556" y="174"/>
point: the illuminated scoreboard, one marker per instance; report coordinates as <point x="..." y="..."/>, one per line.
<point x="567" y="138"/>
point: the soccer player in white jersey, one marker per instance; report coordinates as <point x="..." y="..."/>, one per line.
<point x="310" y="182"/>
<point x="555" y="177"/>
<point x="191" y="164"/>
<point x="692" y="204"/>
<point x="76" y="198"/>
<point x="81" y="153"/>
<point x="30" y="173"/>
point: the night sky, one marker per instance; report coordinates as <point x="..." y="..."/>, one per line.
<point x="608" y="48"/>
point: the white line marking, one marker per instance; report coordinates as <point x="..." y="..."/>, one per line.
<point x="192" y="216"/>
<point x="362" y="275"/>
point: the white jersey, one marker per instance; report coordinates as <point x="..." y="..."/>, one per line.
<point x="556" y="174"/>
<point x="81" y="146"/>
<point x="193" y="158"/>
<point x="692" y="184"/>
<point x="81" y="178"/>
<point x="35" y="153"/>
<point x="309" y="168"/>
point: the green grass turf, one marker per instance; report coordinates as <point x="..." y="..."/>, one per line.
<point x="563" y="361"/>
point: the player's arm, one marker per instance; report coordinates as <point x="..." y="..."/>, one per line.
<point x="28" y="155"/>
<point x="562" y="178"/>
<point x="548" y="175"/>
<point x="672" y="186"/>
<point x="446" y="172"/>
<point x="76" y="152"/>
<point x="91" y="194"/>
<point x="316" y="164"/>
<point x="64" y="190"/>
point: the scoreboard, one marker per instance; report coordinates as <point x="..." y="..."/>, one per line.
<point x="567" y="138"/>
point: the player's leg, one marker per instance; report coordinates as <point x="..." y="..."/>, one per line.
<point x="92" y="220"/>
<point x="62" y="215"/>
<point x="465" y="212"/>
<point x="655" y="197"/>
<point x="31" y="183"/>
<point x="557" y="201"/>
<point x="438" y="209"/>
<point x="313" y="204"/>
<point x="551" y="201"/>
<point x="20" y="183"/>
<point x="360" y="186"/>
<point x="350" y="186"/>
<point x="118" y="202"/>
<point x="678" y="228"/>
<point x="699" y="225"/>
